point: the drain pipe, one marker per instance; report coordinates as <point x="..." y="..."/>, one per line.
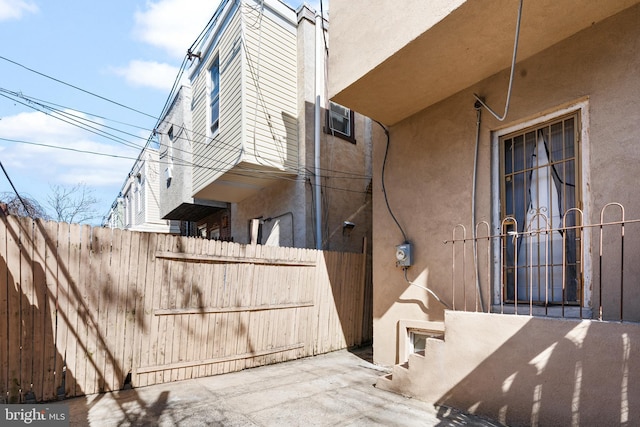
<point x="319" y="90"/>
<point x="478" y="107"/>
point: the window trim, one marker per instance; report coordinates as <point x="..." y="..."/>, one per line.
<point x="581" y="108"/>
<point x="329" y="130"/>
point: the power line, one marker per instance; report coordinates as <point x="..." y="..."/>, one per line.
<point x="14" y="188"/>
<point x="181" y="163"/>
<point x="107" y="135"/>
<point x="76" y="87"/>
<point x="80" y="123"/>
<point x="45" y="103"/>
<point x="77" y="150"/>
<point x="87" y="128"/>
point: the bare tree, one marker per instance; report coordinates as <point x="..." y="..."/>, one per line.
<point x="73" y="204"/>
<point x="23" y="205"/>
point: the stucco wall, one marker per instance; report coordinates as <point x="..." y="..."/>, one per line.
<point x="523" y="370"/>
<point x="431" y="154"/>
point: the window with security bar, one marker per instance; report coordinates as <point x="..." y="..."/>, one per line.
<point x="540" y="170"/>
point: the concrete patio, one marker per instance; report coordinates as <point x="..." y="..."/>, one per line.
<point x="327" y="390"/>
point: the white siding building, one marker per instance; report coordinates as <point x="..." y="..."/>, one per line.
<point x="239" y="138"/>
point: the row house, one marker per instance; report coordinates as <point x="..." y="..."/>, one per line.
<point x="250" y="148"/>
<point x="505" y="252"/>
<point x="137" y="206"/>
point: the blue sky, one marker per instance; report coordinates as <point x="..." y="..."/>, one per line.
<point x="127" y="51"/>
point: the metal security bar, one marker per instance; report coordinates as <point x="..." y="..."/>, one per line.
<point x="512" y="270"/>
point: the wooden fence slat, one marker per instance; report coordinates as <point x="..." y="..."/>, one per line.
<point x="225" y="359"/>
<point x="154" y="337"/>
<point x="42" y="331"/>
<point x="165" y="331"/>
<point x="130" y="303"/>
<point x="49" y="230"/>
<point x="144" y="316"/>
<point x="186" y="340"/>
<point x="95" y="312"/>
<point x="84" y="307"/>
<point x="103" y="288"/>
<point x="137" y="314"/>
<point x="14" y="329"/>
<point x="232" y="259"/>
<point x="83" y="351"/>
<point x="240" y="309"/>
<point x="213" y="347"/>
<point x="5" y="283"/>
<point x="66" y="318"/>
<point x="204" y="278"/>
<point x="177" y="295"/>
<point x="28" y="307"/>
<point x="266" y="299"/>
<point x="121" y="307"/>
<point x="110" y="299"/>
<point x="195" y="320"/>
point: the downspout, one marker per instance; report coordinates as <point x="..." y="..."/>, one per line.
<point x="319" y="91"/>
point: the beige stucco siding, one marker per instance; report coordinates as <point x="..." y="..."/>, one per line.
<point x="215" y="156"/>
<point x="270" y="91"/>
<point x="527" y="371"/>
<point x="429" y="170"/>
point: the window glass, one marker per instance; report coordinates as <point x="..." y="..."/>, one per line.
<point x="538" y="185"/>
<point x="340" y="122"/>
<point x="214" y="96"/>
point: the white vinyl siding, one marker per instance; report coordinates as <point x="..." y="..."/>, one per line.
<point x="257" y="57"/>
<point x="213" y="157"/>
<point x="271" y="95"/>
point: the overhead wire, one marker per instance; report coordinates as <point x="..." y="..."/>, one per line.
<point x="78" y="122"/>
<point x="384" y="190"/>
<point x="511" y="74"/>
<point x="76" y="87"/>
<point x="6" y="174"/>
<point x="87" y="128"/>
<point x="45" y="102"/>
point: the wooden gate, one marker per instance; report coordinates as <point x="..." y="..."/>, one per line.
<point x="85" y="310"/>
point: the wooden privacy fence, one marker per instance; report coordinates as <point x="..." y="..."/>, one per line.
<point x="86" y="310"/>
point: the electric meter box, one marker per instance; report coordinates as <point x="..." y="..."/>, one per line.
<point x="404" y="255"/>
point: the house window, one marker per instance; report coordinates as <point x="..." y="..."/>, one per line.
<point x="214" y="97"/>
<point x="539" y="183"/>
<point x="417" y="341"/>
<point x="138" y="191"/>
<point x="340" y="122"/>
<point x="127" y="209"/>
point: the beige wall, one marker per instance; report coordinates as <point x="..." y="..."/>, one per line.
<point x="397" y="59"/>
<point x="380" y="38"/>
<point x="523" y="370"/>
<point x="430" y="164"/>
<point x="346" y="168"/>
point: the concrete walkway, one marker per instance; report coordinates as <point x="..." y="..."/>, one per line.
<point x="335" y="389"/>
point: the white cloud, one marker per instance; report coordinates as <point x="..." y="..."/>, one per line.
<point x="148" y="73"/>
<point x="14" y="9"/>
<point x="39" y="166"/>
<point x="173" y="25"/>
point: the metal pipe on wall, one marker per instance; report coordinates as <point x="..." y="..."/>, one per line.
<point x="319" y="91"/>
